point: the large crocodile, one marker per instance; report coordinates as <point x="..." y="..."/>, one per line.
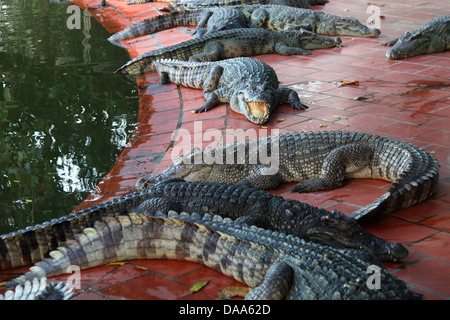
<point x="249" y="85"/>
<point x="208" y="3"/>
<point x="249" y="205"/>
<point x="320" y="160"/>
<point x="432" y="37"/>
<point x="272" y="17"/>
<point x="275" y="265"/>
<point x="230" y="44"/>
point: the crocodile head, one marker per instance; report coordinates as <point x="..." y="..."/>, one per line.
<point x="337" y="230"/>
<point x="310" y="40"/>
<point x="255" y="105"/>
<point x="412" y="44"/>
<point x="345" y="26"/>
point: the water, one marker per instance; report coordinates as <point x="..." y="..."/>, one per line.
<point x="64" y="115"/>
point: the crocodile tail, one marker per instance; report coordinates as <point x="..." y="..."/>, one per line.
<point x="416" y="184"/>
<point x="106" y="242"/>
<point x="27" y="246"/>
<point x="39" y="290"/>
<point x="158" y="23"/>
<point x="30" y="245"/>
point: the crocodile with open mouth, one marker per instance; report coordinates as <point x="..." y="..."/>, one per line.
<point x="249" y="85"/>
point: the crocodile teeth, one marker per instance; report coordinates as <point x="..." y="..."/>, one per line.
<point x="172" y="214"/>
<point x="185" y="215"/>
<point x="258" y="109"/>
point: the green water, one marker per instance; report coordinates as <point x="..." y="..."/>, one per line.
<point x="64" y="115"/>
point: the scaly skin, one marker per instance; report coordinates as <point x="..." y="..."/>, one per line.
<point x="271" y="17"/>
<point x="28" y="246"/>
<point x="276" y="266"/>
<point x="208" y="3"/>
<point x="39" y="290"/>
<point x="432" y="37"/>
<point x="229" y="44"/>
<point x="249" y="85"/>
<point x="218" y="19"/>
<point x="319" y="161"/>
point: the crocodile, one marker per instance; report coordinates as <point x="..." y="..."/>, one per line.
<point x="281" y="17"/>
<point x="318" y="161"/>
<point x="246" y="205"/>
<point x="216" y="18"/>
<point x="273" y="264"/>
<point x="272" y="17"/>
<point x="249" y="85"/>
<point x="432" y="37"/>
<point x="39" y="289"/>
<point x="208" y="3"/>
<point x="232" y="43"/>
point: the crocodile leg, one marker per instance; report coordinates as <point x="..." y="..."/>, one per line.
<point x="212" y="52"/>
<point x="153" y="205"/>
<point x="213" y="95"/>
<point x="275" y="285"/>
<point x="258" y="18"/>
<point x="201" y="26"/>
<point x="262" y="182"/>
<point x="390" y="43"/>
<point x="342" y="161"/>
<point x="287" y="95"/>
<point x="285" y="50"/>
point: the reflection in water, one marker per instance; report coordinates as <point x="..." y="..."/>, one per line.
<point x="64" y="116"/>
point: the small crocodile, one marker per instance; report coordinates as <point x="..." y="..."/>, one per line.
<point x="321" y="161"/>
<point x="39" y="289"/>
<point x="274" y="265"/>
<point x="232" y="43"/>
<point x="249" y="85"/>
<point x="432" y="37"/>
<point x="272" y="17"/>
<point x="208" y="3"/>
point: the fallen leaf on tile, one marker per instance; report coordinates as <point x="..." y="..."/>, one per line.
<point x="119" y="263"/>
<point x="198" y="286"/>
<point x="340" y="117"/>
<point x="360" y="98"/>
<point x="141" y="268"/>
<point x="233" y="291"/>
<point x="280" y="120"/>
<point x="375" y="4"/>
<point x="348" y="83"/>
<point x="346" y="10"/>
<point x="323" y="125"/>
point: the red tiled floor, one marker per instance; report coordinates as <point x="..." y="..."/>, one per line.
<point x="405" y="99"/>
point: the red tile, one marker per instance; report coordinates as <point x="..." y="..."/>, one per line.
<point x="149" y="287"/>
<point x="437" y="277"/>
<point x="436" y="136"/>
<point x="435" y="246"/>
<point x="440" y="221"/>
<point x="216" y="280"/>
<point x="395" y="230"/>
<point x="405" y="130"/>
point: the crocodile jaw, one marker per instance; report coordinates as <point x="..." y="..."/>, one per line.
<point x="256" y="110"/>
<point x="259" y="110"/>
<point x="408" y="46"/>
<point x="349" y="26"/>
